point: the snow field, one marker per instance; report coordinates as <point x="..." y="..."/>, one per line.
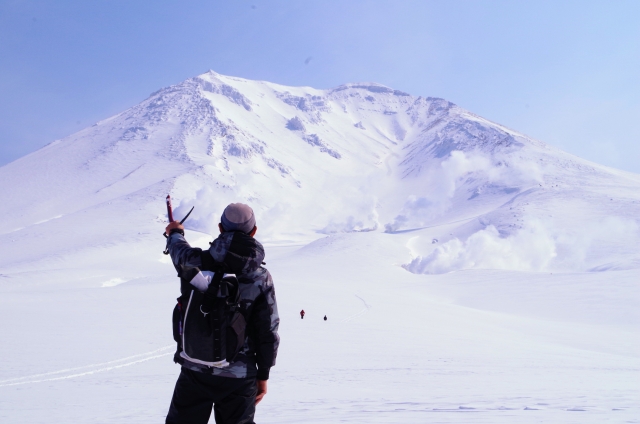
<point x="397" y="347"/>
<point x="468" y="272"/>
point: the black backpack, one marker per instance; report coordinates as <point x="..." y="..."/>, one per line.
<point x="209" y="327"/>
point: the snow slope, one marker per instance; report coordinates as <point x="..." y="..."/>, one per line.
<point x="464" y="267"/>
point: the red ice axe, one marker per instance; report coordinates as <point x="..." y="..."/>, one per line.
<point x="170" y="209"/>
<point x="170" y="216"/>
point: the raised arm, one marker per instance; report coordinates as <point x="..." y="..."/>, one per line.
<point x="182" y="254"/>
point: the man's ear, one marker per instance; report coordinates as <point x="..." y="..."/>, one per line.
<point x="221" y="228"/>
<point x="253" y="232"/>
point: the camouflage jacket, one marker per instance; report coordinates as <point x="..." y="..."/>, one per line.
<point x="257" y="297"/>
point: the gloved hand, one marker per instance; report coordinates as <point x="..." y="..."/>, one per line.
<point x="175" y="225"/>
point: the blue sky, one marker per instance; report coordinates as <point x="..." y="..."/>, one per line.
<point x="564" y="72"/>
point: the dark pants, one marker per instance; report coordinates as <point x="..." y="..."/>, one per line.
<point x="233" y="399"/>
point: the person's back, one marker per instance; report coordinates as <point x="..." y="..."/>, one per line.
<point x="233" y="390"/>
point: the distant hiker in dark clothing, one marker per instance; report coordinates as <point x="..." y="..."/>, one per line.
<point x="325" y="317"/>
<point x="230" y="380"/>
<point x="302" y="314"/>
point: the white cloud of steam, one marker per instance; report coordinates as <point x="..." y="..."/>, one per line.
<point x="530" y="249"/>
<point x="440" y="184"/>
<point x="278" y="219"/>
<point x="272" y="221"/>
<point x="538" y="246"/>
<point x="598" y="244"/>
<point x="209" y="205"/>
<point x="352" y="224"/>
<point x="359" y="214"/>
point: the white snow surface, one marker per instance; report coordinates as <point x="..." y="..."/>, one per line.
<point x="468" y="272"/>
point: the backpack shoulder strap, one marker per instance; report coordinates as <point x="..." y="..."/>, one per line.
<point x="208" y="263"/>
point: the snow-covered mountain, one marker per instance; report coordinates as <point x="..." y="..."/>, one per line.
<point x="528" y="310"/>
<point x="360" y="157"/>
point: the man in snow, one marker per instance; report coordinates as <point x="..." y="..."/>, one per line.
<point x="234" y="390"/>
<point x="302" y="314"/>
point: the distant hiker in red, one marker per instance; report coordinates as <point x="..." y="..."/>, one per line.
<point x="302" y="314"/>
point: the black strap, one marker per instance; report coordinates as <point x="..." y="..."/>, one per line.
<point x="213" y="291"/>
<point x="210" y="264"/>
<point x="211" y="294"/>
<point x="213" y="303"/>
